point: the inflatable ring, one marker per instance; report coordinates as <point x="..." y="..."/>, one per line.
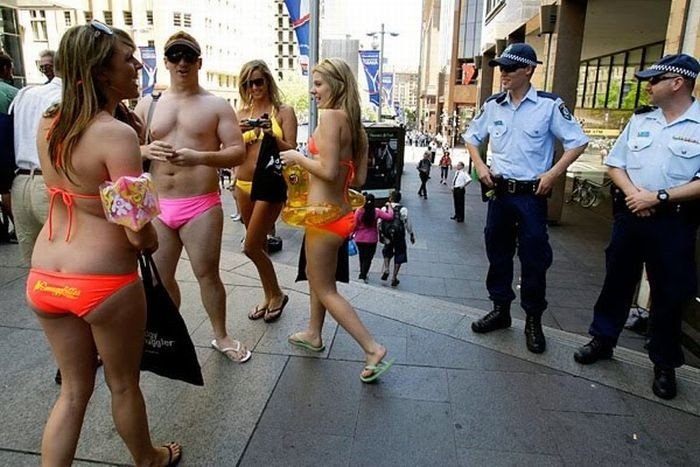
<point x="357" y="199"/>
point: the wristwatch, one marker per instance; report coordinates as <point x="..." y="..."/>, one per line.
<point x="662" y="196"/>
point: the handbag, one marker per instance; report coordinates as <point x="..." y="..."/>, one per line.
<point x="168" y="350"/>
<point x="352" y="247"/>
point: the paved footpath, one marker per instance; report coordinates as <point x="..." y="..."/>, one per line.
<point x="453" y="398"/>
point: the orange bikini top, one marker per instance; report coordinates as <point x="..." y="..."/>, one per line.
<point x="67" y="197"/>
<point x="313" y="149"/>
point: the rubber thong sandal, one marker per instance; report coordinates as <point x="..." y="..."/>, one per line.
<point x="257" y="313"/>
<point x="173" y="462"/>
<point x="273" y="314"/>
<point x="236" y="349"/>
<point x="304" y="344"/>
<point x="377" y="370"/>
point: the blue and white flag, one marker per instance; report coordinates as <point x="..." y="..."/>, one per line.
<point x="149" y="70"/>
<point x="300" y="15"/>
<point x="370" y="62"/>
<point x="388" y="89"/>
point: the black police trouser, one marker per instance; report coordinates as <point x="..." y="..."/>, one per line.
<point x="366" y="254"/>
<point x="665" y="242"/>
<point x="423" y="180"/>
<point x="518" y="220"/>
<point x="458" y="197"/>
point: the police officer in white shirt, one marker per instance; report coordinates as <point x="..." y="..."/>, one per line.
<point x="459" y="185"/>
<point x="523" y="124"/>
<point x="655" y="166"/>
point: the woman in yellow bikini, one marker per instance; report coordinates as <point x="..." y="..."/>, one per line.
<point x="339" y="149"/>
<point x="268" y="127"/>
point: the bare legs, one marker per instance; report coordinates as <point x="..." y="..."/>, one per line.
<point x="321" y="262"/>
<point x="259" y="218"/>
<point x="115" y="329"/>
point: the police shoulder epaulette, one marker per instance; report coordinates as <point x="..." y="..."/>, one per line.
<point x="547" y="95"/>
<point x="644" y="109"/>
<point x="497" y="97"/>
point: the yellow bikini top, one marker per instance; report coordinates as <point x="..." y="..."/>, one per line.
<point x="250" y="137"/>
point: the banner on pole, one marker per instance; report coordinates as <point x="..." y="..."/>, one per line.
<point x="149" y="70"/>
<point x="300" y="16"/>
<point x="370" y="63"/>
<point x="388" y="89"/>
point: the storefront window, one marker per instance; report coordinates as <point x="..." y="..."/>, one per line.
<point x="630" y="87"/>
<point x="590" y="83"/>
<point x="601" y="92"/>
<point x="617" y="74"/>
<point x="581" y="84"/>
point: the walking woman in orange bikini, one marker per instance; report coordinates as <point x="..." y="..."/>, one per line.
<point x="260" y="188"/>
<point x="339" y="149"/>
<point x="83" y="284"/>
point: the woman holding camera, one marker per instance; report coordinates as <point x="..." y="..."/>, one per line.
<point x="268" y="127"/>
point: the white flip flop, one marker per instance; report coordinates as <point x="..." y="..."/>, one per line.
<point x="237" y="348"/>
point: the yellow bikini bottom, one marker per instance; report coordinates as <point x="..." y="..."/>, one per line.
<point x="244" y="185"/>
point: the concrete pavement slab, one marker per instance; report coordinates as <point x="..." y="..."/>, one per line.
<point x="272" y="447"/>
<point x="500" y="458"/>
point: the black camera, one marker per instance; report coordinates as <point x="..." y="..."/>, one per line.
<point x="259" y="122"/>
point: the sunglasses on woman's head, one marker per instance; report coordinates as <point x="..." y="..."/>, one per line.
<point x="100" y="28"/>
<point x="175" y="57"/>
<point x="259" y="82"/>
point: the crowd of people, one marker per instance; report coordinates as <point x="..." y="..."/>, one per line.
<point x="73" y="134"/>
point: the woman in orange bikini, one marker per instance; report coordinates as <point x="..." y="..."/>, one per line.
<point x="339" y="149"/>
<point x="84" y="285"/>
<point x="269" y="126"/>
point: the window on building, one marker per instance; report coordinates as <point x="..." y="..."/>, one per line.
<point x="149" y="17"/>
<point x="177" y="18"/>
<point x="38" y="20"/>
<point x="609" y="82"/>
<point x="151" y="43"/>
<point x="291" y="36"/>
<point x="492" y="7"/>
<point x="279" y="49"/>
<point x="291" y="49"/>
<point x="280" y="63"/>
<point x="108" y="17"/>
<point x="291" y="63"/>
<point x="128" y="19"/>
<point x="279" y="22"/>
<point x="187" y="22"/>
<point x="280" y="8"/>
<point x="279" y="36"/>
<point x="68" y="18"/>
<point x="88" y="16"/>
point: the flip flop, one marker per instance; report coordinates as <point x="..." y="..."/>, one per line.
<point x="377" y="370"/>
<point x="273" y="314"/>
<point x="306" y="345"/>
<point x="257" y="313"/>
<point x="173" y="462"/>
<point x="234" y="349"/>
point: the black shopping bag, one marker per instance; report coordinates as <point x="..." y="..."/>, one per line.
<point x="168" y="350"/>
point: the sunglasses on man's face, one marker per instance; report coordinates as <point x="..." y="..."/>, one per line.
<point x="188" y="56"/>
<point x="259" y="82"/>
<point x="510" y="68"/>
<point x="654" y="80"/>
<point x="100" y="28"/>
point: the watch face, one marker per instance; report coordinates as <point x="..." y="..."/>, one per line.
<point x="662" y="195"/>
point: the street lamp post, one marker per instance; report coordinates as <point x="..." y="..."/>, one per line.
<point x="380" y="84"/>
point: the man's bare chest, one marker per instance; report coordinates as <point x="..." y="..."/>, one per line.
<point x="175" y="118"/>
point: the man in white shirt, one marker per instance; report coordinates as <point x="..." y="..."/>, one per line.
<point x="30" y="203"/>
<point x="459" y="185"/>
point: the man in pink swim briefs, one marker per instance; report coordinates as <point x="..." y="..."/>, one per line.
<point x="191" y="134"/>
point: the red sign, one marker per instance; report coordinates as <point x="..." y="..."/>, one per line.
<point x="468" y="72"/>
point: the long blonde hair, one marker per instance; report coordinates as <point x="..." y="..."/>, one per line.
<point x="345" y="96"/>
<point x="273" y="91"/>
<point x="83" y="52"/>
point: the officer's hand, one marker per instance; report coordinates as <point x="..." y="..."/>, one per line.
<point x="546" y="183"/>
<point x="484" y="175"/>
<point x="645" y="212"/>
<point x="642" y="200"/>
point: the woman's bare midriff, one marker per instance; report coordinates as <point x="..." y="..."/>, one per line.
<point x="246" y="170"/>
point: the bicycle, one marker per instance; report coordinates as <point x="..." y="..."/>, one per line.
<point x="587" y="192"/>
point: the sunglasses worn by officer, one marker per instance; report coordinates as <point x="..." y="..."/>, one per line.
<point x="654" y="80"/>
<point x="258" y="82"/>
<point x="511" y="68"/>
<point x="188" y="55"/>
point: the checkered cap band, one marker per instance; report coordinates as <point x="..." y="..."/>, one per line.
<point x="518" y="58"/>
<point x="675" y="69"/>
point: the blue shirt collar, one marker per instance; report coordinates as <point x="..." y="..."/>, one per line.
<point x="692" y="114"/>
<point x="530" y="95"/>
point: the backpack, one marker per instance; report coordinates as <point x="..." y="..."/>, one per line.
<point x="393" y="230"/>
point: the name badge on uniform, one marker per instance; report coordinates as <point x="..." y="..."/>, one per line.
<point x="498" y="123"/>
<point x="685" y="139"/>
<point x="643" y="134"/>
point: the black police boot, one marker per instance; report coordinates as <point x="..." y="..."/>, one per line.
<point x="595" y="350"/>
<point x="498" y="318"/>
<point x="664" y="382"/>
<point x="534" y="336"/>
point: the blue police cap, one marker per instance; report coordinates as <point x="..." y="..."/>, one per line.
<point x="680" y="64"/>
<point x="516" y="54"/>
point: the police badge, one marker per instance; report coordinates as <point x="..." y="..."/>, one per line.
<point x="565" y="112"/>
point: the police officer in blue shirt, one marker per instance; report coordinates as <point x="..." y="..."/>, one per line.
<point x="655" y="166"/>
<point x="522" y="124"/>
